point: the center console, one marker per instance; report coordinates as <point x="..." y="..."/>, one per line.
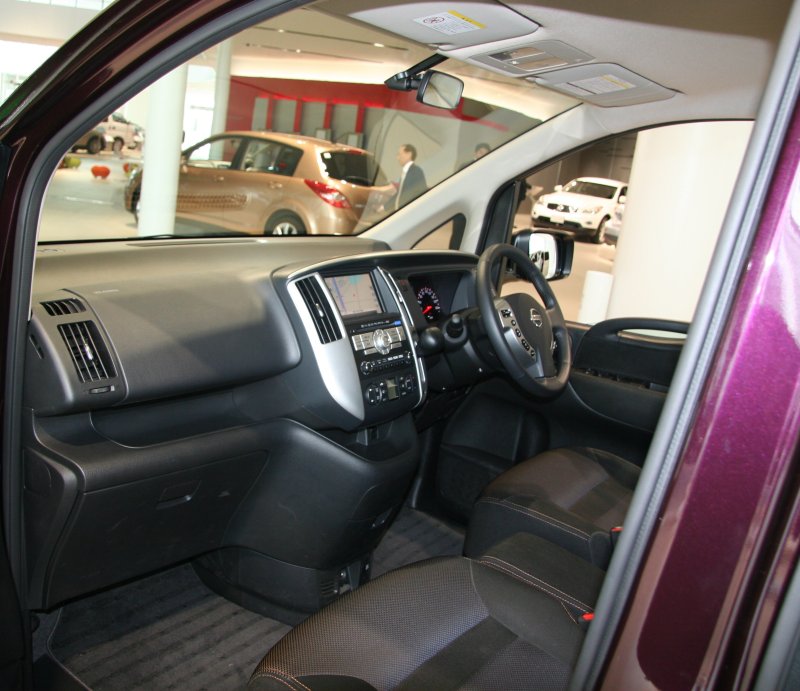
<point x="364" y="342"/>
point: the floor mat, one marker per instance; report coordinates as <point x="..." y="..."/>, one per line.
<point x="412" y="537"/>
<point x="167" y="631"/>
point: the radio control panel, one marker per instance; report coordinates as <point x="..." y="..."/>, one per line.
<point x="385" y="360"/>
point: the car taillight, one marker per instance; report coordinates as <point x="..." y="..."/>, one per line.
<point x="328" y="194"/>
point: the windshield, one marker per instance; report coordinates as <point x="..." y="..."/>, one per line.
<point x="304" y="138"/>
<point x="590" y="189"/>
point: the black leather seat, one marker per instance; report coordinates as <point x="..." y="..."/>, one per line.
<point x="447" y="623"/>
<point x="572" y="497"/>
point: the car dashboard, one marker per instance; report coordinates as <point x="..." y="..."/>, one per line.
<point x="246" y="403"/>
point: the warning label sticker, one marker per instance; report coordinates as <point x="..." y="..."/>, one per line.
<point x="449" y="23"/>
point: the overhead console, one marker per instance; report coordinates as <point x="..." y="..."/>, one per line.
<point x="362" y="336"/>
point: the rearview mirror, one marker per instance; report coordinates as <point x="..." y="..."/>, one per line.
<point x="550" y="251"/>
<point x="440" y="90"/>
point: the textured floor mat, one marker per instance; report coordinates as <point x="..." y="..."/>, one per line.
<point x="164" y="632"/>
<point x="169" y="631"/>
<point x="412" y="537"/>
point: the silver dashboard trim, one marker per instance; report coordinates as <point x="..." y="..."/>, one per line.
<point x="405" y="317"/>
<point x="335" y="360"/>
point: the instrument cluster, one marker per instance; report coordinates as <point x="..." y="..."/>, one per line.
<point x="435" y="294"/>
<point x="429" y="303"/>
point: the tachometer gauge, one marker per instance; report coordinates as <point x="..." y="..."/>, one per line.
<point x="429" y="303"/>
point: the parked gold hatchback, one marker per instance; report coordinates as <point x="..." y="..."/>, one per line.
<point x="274" y="184"/>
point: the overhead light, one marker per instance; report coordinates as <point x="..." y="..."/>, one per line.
<point x="534" y="57"/>
<point x="379" y="45"/>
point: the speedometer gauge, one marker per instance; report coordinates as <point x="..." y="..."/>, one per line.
<point x="429" y="303"/>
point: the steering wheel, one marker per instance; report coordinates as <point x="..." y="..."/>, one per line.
<point x="530" y="339"/>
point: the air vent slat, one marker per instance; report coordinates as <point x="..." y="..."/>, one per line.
<point x="58" y="308"/>
<point x="320" y="310"/>
<point x="88" y="352"/>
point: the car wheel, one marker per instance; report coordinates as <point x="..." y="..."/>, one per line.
<point x="94" y="145"/>
<point x="285" y="223"/>
<point x="599" y="236"/>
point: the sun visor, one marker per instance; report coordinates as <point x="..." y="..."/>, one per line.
<point x="447" y="26"/>
<point x="603" y="84"/>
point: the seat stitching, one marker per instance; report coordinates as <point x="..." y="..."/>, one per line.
<point x="518" y="577"/>
<point x="535" y="578"/>
<point x="504" y="503"/>
<point x="538" y="586"/>
<point x="277" y="675"/>
<point x="569" y="614"/>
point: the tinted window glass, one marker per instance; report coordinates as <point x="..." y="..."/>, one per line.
<point x="354" y="167"/>
<point x="591" y="189"/>
<point x="217" y="153"/>
<point x="270" y="157"/>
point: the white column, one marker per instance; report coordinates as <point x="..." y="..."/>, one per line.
<point x="680" y="185"/>
<point x="163" y="137"/>
<point x="222" y="87"/>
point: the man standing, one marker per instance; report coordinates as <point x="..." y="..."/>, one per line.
<point x="412" y="178"/>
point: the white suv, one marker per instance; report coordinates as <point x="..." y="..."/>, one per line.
<point x="120" y="133"/>
<point x="583" y="205"/>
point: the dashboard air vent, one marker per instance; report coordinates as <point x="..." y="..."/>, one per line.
<point x="89" y="354"/>
<point x="58" y="308"/>
<point x="320" y="309"/>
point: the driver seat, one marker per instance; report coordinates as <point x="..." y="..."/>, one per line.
<point x="573" y="497"/>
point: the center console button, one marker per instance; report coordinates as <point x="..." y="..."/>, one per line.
<point x="381" y="341"/>
<point x="373" y="394"/>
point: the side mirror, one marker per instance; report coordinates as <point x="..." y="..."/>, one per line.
<point x="622" y="199"/>
<point x="551" y="251"/>
<point x="440" y="90"/>
<point x="558" y="188"/>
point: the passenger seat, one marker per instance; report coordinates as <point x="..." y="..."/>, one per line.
<point x="572" y="497"/>
<point x="515" y="619"/>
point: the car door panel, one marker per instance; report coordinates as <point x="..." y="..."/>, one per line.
<point x="622" y="368"/>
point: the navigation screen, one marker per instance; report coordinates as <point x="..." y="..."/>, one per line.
<point x="354" y="294"/>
